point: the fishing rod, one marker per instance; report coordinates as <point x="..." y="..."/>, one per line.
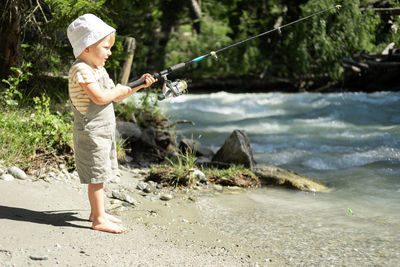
<point x="178" y="87"/>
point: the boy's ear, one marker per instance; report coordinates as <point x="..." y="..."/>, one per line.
<point x="86" y="50"/>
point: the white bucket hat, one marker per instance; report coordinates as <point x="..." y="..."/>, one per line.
<point x="85" y="31"/>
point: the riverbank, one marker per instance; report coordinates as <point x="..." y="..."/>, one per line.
<point x="44" y="223"/>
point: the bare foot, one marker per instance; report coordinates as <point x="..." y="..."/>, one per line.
<point x="107" y="226"/>
<point x="109" y="217"/>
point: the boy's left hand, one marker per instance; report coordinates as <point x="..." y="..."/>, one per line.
<point x="149" y="79"/>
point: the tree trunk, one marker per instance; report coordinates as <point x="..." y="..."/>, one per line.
<point x="129" y="47"/>
<point x="10" y="36"/>
<point x="195" y="13"/>
<point x="171" y="10"/>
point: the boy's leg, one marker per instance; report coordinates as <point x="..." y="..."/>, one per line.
<point x="98" y="214"/>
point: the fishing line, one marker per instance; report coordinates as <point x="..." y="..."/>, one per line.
<point x="176" y="88"/>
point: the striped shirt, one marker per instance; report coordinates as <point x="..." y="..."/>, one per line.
<point x="80" y="72"/>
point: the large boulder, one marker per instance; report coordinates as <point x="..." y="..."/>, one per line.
<point x="128" y="130"/>
<point x="236" y="150"/>
<point x="272" y="175"/>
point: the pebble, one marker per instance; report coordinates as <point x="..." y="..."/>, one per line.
<point x="17" y="173"/>
<point x="7" y="177"/>
<point x="200" y="176"/>
<point x="114" y="180"/>
<point x="128" y="158"/>
<point x="149" y="189"/>
<point x="166" y="197"/>
<point x="141" y="185"/>
<point x="39" y="257"/>
<point x="218" y="187"/>
<point x="124" y="197"/>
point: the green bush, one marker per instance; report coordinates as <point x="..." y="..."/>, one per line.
<point x="11" y="95"/>
<point x="23" y="133"/>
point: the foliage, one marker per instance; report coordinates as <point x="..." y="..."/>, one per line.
<point x="11" y="94"/>
<point x="26" y="132"/>
<point x="186" y="44"/>
<point x="235" y="175"/>
<point x="320" y="43"/>
<point x="143" y="109"/>
<point x="178" y="171"/>
<point x="313" y="48"/>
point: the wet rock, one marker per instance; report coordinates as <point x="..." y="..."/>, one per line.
<point x="7" y="177"/>
<point x="17" y="173"/>
<point x="272" y="175"/>
<point x="236" y="150"/>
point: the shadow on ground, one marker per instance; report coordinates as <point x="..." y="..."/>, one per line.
<point x="55" y="218"/>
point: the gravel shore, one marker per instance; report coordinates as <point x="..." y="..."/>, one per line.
<point x="44" y="223"/>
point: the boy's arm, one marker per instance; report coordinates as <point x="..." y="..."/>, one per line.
<point x="101" y="97"/>
<point x="130" y="92"/>
<point x="149" y="81"/>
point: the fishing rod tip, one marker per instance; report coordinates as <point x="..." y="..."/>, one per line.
<point x="214" y="54"/>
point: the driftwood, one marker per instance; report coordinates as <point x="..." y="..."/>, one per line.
<point x="391" y="11"/>
<point x="372" y="72"/>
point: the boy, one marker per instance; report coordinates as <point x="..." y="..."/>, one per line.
<point x="92" y="94"/>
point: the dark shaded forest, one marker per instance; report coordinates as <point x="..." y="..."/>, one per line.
<point x="319" y="54"/>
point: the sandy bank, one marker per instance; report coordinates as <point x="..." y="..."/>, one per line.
<point x="45" y="224"/>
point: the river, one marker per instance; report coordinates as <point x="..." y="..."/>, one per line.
<point x="351" y="141"/>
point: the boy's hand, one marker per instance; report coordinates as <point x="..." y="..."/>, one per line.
<point x="149" y="80"/>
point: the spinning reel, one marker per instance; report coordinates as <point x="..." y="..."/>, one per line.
<point x="172" y="89"/>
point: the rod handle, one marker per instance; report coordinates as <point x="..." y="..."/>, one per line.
<point x="137" y="82"/>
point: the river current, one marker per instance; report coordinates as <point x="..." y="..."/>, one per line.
<point x="350" y="141"/>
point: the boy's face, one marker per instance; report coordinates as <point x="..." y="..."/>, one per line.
<point x="99" y="52"/>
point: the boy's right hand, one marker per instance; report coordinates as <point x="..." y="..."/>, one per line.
<point x="149" y="80"/>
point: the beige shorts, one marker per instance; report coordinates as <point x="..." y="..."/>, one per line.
<point x="95" y="154"/>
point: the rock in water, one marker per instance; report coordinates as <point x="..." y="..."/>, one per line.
<point x="272" y="175"/>
<point x="236" y="150"/>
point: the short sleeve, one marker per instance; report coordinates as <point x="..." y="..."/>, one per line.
<point x="81" y="73"/>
